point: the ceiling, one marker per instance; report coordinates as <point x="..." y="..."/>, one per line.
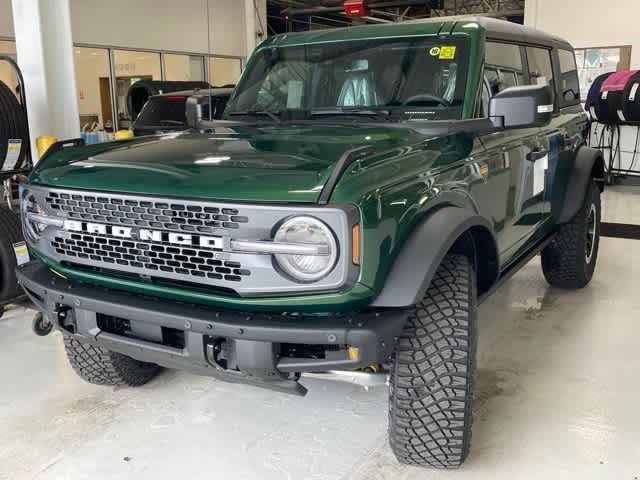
<point x="295" y="15"/>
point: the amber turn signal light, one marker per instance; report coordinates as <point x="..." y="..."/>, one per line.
<point x="353" y="353"/>
<point x="355" y="244"/>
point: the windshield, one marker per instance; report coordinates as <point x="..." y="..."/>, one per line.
<point x="417" y="77"/>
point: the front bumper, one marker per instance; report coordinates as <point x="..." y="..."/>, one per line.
<point x="196" y="338"/>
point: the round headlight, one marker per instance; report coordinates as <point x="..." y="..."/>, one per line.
<point x="30" y="205"/>
<point x="307" y="230"/>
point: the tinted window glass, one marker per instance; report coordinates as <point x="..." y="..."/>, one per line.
<point x="569" y="83"/>
<point x="163" y="112"/>
<point x="218" y="103"/>
<point x="503" y="69"/>
<point x="540" y="70"/>
<point x="409" y="76"/>
<point x="493" y="80"/>
<point x="504" y="55"/>
<point x="506" y="61"/>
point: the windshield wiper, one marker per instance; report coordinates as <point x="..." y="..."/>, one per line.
<point x="256" y="113"/>
<point x="349" y="111"/>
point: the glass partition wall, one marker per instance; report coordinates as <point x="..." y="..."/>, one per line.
<point x="103" y="73"/>
<point x="94" y="88"/>
<point x="224" y="71"/>
<point x="189" y="68"/>
<point x="130" y="67"/>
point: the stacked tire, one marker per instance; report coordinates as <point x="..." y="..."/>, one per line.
<point x="10" y="233"/>
<point x="13" y="124"/>
<point x="593" y="103"/>
<point x="614" y="98"/>
<point x="631" y="99"/>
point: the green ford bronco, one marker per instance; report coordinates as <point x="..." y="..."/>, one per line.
<point x="366" y="189"/>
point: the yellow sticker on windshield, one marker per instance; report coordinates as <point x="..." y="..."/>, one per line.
<point x="447" y="53"/>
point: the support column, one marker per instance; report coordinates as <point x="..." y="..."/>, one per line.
<point x="45" y="56"/>
<point x="250" y="25"/>
<point x="531" y="13"/>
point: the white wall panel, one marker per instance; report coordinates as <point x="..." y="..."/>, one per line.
<point x="6" y="19"/>
<point x="155" y="24"/>
<point x="589" y="23"/>
<point x="161" y="24"/>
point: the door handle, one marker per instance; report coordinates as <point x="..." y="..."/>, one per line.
<point x="537" y="153"/>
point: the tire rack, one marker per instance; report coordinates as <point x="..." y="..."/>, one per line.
<point x="608" y="140"/>
<point x="8" y="176"/>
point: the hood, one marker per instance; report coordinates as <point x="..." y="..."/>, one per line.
<point x="279" y="164"/>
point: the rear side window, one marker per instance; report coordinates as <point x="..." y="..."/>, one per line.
<point x="540" y="70"/>
<point x="569" y="83"/>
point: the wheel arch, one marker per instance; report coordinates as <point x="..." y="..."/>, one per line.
<point x="589" y="164"/>
<point x="449" y="229"/>
<point x="478" y="244"/>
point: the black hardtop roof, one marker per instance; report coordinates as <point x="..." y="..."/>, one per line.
<point x="514" y="32"/>
<point x="495" y="29"/>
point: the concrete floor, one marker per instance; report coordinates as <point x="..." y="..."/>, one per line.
<point x="557" y="397"/>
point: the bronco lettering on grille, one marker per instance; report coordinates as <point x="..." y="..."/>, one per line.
<point x="145" y="234"/>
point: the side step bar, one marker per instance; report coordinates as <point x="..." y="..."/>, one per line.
<point x="514" y="267"/>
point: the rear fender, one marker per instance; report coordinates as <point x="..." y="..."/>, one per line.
<point x="589" y="165"/>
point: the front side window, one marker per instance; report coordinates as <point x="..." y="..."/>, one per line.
<point x="502" y="69"/>
<point x="540" y="69"/>
<point x="503" y="66"/>
<point x="410" y="76"/>
<point x="569" y="82"/>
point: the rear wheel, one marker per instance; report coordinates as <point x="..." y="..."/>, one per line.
<point x="570" y="259"/>
<point x="102" y="367"/>
<point x="432" y="374"/>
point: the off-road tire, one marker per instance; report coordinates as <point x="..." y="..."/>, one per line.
<point x="432" y="372"/>
<point x="102" y="367"/>
<point x="10" y="233"/>
<point x="565" y="261"/>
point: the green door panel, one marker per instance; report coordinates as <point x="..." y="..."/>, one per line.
<point x="514" y="193"/>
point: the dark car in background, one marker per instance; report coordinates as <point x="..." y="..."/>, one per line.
<point x="166" y="112"/>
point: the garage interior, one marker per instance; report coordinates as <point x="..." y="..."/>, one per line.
<point x="555" y="393"/>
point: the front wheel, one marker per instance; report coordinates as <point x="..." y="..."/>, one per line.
<point x="432" y="373"/>
<point x="100" y="366"/>
<point x="570" y="259"/>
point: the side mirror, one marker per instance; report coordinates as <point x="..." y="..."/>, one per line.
<point x="197" y="109"/>
<point x="522" y="107"/>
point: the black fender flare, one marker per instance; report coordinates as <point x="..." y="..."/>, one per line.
<point x="589" y="164"/>
<point x="422" y="253"/>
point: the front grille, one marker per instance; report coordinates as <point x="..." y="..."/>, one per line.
<point x="153" y="257"/>
<point x="178" y="242"/>
<point x="170" y="215"/>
